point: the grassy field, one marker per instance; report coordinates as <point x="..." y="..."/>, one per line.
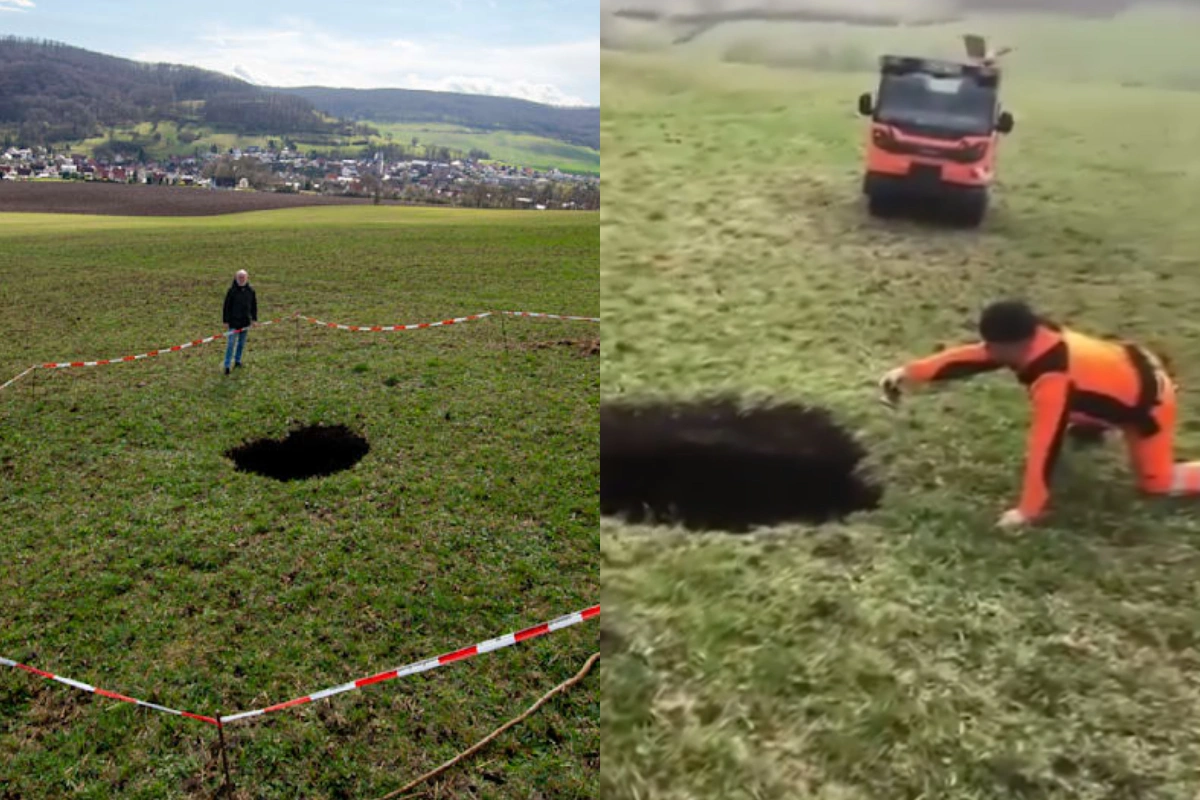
<point x="504" y="146"/>
<point x="913" y="651"/>
<point x="168" y="142"/>
<point x="140" y="561"/>
<point x="522" y="149"/>
<point x="1148" y="46"/>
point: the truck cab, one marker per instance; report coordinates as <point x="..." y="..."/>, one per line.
<point x="933" y="135"/>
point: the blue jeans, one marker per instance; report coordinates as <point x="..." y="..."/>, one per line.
<point x="230" y="338"/>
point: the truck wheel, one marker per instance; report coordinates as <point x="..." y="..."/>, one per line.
<point x="880" y="205"/>
<point x="973" y="210"/>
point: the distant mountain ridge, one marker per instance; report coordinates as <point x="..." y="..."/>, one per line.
<point x="52" y="92"/>
<point x="575" y="125"/>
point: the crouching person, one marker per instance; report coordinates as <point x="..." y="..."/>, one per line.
<point x="1073" y="379"/>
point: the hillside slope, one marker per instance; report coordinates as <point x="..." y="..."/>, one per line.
<point x="579" y="126"/>
<point x="52" y="92"/>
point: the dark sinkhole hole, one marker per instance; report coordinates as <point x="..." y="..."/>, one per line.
<point x="713" y="465"/>
<point x="307" y="452"/>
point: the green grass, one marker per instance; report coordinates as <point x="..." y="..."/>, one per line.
<point x="169" y="142"/>
<point x="503" y="146"/>
<point x="524" y="150"/>
<point x="141" y="562"/>
<point x="913" y="651"/>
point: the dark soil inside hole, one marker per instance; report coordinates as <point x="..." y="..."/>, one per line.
<point x="712" y="465"/>
<point x="307" y="452"/>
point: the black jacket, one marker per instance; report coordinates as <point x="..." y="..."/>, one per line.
<point x="241" y="306"/>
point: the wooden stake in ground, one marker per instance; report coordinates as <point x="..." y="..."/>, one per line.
<point x="227" y="788"/>
<point x="503" y="330"/>
<point x="485" y="741"/>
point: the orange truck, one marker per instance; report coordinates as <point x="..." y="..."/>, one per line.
<point x="935" y="127"/>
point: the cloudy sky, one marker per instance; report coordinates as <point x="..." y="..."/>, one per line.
<point x="542" y="50"/>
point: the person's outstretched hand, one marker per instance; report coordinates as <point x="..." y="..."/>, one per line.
<point x="1013" y="521"/>
<point x="891" y="385"/>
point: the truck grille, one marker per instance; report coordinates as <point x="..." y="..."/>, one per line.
<point x="925" y="173"/>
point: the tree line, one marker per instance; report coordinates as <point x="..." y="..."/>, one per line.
<point x="573" y="196"/>
<point x="579" y="126"/>
<point x="52" y="92"/>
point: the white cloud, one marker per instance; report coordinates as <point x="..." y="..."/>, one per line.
<point x="240" y="72"/>
<point x="16" y="5"/>
<point x="537" y="92"/>
<point x="302" y="55"/>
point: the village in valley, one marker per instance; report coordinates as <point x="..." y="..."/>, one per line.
<point x="467" y="181"/>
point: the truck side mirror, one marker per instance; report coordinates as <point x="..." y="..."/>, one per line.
<point x="1005" y="123"/>
<point x="865" y="107"/>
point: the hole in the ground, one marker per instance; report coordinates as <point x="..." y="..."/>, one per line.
<point x="712" y="465"/>
<point x="307" y="452"/>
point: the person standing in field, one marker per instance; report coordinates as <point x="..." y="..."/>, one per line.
<point x="241" y="311"/>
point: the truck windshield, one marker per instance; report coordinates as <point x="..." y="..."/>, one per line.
<point x="951" y="105"/>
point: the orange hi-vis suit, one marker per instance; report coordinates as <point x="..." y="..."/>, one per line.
<point x="1077" y="379"/>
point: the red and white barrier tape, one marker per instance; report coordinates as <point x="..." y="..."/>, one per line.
<point x="105" y="693"/>
<point x="547" y="316"/>
<point x="377" y="328"/>
<point x="14" y="380"/>
<point x="152" y="353"/>
<point x="336" y="325"/>
<point x="430" y="663"/>
<point x="400" y="672"/>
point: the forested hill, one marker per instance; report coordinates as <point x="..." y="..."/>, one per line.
<point x="580" y="126"/>
<point x="52" y="92"/>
